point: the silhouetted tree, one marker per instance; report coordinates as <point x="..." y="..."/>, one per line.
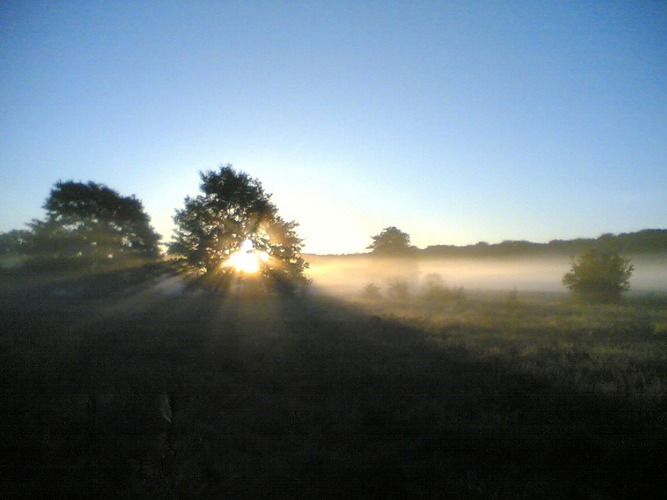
<point x="91" y="224"/>
<point x="15" y="245"/>
<point x="647" y="241"/>
<point x="599" y="275"/>
<point x="391" y="242"/>
<point x="15" y="242"/>
<point x="233" y="208"/>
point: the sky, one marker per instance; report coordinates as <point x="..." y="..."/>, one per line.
<point x="456" y="121"/>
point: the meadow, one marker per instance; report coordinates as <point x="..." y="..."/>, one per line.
<point x="124" y="387"/>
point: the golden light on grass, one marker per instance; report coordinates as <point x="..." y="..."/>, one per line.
<point x="247" y="260"/>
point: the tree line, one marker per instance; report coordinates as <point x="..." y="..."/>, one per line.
<point x="647" y="241"/>
<point x="89" y="226"/>
<point x="86" y="225"/>
<point x="392" y="241"/>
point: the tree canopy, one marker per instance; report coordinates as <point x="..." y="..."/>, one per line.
<point x="15" y="246"/>
<point x="391" y="242"/>
<point x="231" y="210"/>
<point x="599" y="275"/>
<point x="91" y="224"/>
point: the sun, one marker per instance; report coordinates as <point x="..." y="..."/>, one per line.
<point x="247" y="260"/>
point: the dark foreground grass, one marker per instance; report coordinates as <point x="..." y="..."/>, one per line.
<point x="277" y="397"/>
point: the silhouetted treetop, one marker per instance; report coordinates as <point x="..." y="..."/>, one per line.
<point x="234" y="208"/>
<point x="16" y="242"/>
<point x="648" y="241"/>
<point x="391" y="242"/>
<point x="89" y="224"/>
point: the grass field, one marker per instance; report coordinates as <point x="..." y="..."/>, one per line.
<point x="137" y="391"/>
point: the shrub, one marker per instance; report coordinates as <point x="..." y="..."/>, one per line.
<point x="398" y="289"/>
<point x="435" y="290"/>
<point x="371" y="292"/>
<point x="599" y="276"/>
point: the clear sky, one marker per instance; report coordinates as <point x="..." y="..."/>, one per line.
<point x="457" y="121"/>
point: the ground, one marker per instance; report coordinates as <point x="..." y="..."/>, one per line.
<point x="159" y="390"/>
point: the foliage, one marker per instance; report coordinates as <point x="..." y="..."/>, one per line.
<point x="91" y="224"/>
<point x="391" y="242"/>
<point x="234" y="208"/>
<point x="15" y="246"/>
<point x="371" y="292"/>
<point x="647" y="241"/>
<point x="599" y="275"/>
<point x="398" y="289"/>
<point x="436" y="291"/>
<point x="17" y="242"/>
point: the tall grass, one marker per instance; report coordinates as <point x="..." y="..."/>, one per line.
<point x="611" y="349"/>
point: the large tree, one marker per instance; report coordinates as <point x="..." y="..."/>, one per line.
<point x="232" y="210"/>
<point x="91" y="224"/>
<point x="391" y="242"/>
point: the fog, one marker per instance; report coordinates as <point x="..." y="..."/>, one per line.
<point x="347" y="275"/>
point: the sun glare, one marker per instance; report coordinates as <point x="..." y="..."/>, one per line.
<point x="247" y="260"/>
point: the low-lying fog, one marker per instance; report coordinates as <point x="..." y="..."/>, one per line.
<point x="349" y="274"/>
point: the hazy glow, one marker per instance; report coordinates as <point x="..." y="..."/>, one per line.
<point x="247" y="246"/>
<point x="346" y="276"/>
<point x="247" y="260"/>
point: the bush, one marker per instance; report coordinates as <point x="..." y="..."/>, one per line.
<point x="599" y="276"/>
<point x="435" y="290"/>
<point x="398" y="289"/>
<point x="371" y="292"/>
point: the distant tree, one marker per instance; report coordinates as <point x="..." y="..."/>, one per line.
<point x="646" y="241"/>
<point x="16" y="242"/>
<point x="15" y="245"/>
<point x="599" y="275"/>
<point x="391" y="242"/>
<point x="91" y="224"/>
<point x="232" y="209"/>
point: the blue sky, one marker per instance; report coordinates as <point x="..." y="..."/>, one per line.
<point x="455" y="121"/>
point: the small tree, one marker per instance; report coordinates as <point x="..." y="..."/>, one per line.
<point x="91" y="224"/>
<point x="15" y="246"/>
<point x="233" y="209"/>
<point x="599" y="275"/>
<point x="391" y="242"/>
<point x="371" y="292"/>
<point x="398" y="289"/>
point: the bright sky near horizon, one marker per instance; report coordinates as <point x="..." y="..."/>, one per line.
<point x="455" y="121"/>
